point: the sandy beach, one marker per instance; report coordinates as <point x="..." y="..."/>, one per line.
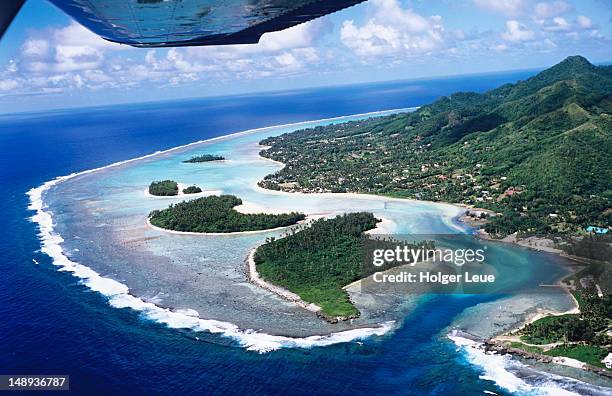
<point x="281" y="292"/>
<point x="208" y="274"/>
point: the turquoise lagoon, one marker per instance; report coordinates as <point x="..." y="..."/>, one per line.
<point x="199" y="281"/>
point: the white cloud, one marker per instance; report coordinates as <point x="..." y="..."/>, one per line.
<point x="504" y="7"/>
<point x="305" y="35"/>
<point x="299" y="36"/>
<point x="545" y="45"/>
<point x="552" y="9"/>
<point x="393" y="30"/>
<point x="517" y="32"/>
<point x="584" y="22"/>
<point x="7" y="85"/>
<point x="73" y="58"/>
<point x="35" y="47"/>
<point x="78" y="36"/>
<point x="557" y="24"/>
<point x="69" y="58"/>
<point x="501" y="47"/>
<point x="71" y="48"/>
<point x="287" y="60"/>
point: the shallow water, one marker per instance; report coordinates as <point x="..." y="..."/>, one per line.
<point x="53" y="324"/>
<point x="104" y="213"/>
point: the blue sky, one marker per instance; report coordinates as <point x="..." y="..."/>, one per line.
<point x="48" y="61"/>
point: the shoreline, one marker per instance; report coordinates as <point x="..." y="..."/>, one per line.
<point x="288" y="295"/>
<point x="356" y="195"/>
<point x="478" y="230"/>
<point x="285" y="294"/>
<point x="156" y="228"/>
<point x="508" y="365"/>
<point x="540" y="244"/>
<point x="500" y="343"/>
<point x="119" y="296"/>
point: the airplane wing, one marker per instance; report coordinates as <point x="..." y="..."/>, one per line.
<point x="8" y="10"/>
<point x="175" y="23"/>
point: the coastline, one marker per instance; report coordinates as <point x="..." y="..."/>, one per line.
<point x="119" y="296"/>
<point x="355" y="195"/>
<point x="500" y="344"/>
<point x="224" y="233"/>
<point x="256" y="279"/>
<point x="479" y="231"/>
<point x="541" y="244"/>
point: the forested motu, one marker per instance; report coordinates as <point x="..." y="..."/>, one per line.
<point x="539" y="152"/>
<point x="216" y="214"/>
<point x="192" y="190"/>
<point x="317" y="260"/>
<point x="164" y="188"/>
<point x="204" y="158"/>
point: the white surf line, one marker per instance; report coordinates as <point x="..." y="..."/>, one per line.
<point x="118" y="293"/>
<point x="496" y="369"/>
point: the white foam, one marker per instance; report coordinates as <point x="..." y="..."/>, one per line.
<point x="118" y="294"/>
<point x="497" y="369"/>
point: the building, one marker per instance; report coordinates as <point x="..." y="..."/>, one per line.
<point x="608" y="361"/>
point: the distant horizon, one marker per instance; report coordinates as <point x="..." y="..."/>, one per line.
<point x="535" y="70"/>
<point x="49" y="61"/>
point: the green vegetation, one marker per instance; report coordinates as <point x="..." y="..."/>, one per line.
<point x="204" y="158"/>
<point x="192" y="190"/>
<point x="589" y="326"/>
<point x="552" y="329"/>
<point x="536" y="152"/>
<point x="590" y="354"/>
<point x="216" y="214"/>
<point x="578" y="296"/>
<point x="318" y="260"/>
<point x="584" y="336"/>
<point x="163" y="188"/>
<point x="526" y="348"/>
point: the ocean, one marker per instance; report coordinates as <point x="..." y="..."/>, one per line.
<point x="53" y="324"/>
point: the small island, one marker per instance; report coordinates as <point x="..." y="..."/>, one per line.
<point x="204" y="158"/>
<point x="192" y="190"/>
<point x="216" y="214"/>
<point x="318" y="260"/>
<point x="164" y="188"/>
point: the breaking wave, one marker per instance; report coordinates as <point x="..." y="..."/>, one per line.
<point x="504" y="371"/>
<point x="119" y="296"/>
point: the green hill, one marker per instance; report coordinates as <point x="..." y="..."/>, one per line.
<point x="538" y="152"/>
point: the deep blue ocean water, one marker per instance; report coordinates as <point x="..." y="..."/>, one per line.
<point x="53" y="325"/>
